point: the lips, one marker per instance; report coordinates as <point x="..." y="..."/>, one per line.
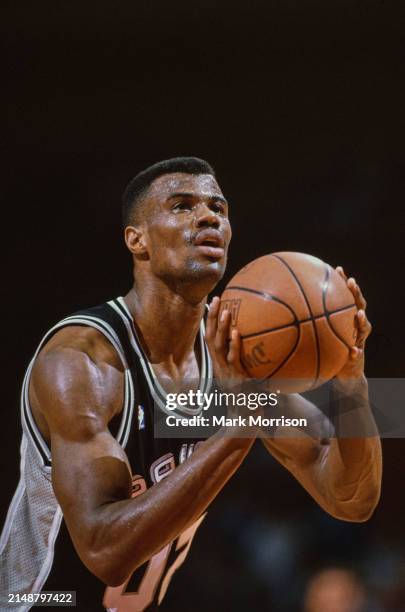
<point x="210" y="243"/>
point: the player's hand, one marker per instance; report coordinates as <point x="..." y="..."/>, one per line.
<point x="225" y="353"/>
<point x="354" y="367"/>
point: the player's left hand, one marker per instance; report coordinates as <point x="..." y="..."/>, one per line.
<point x="354" y="367"/>
<point x="225" y="353"/>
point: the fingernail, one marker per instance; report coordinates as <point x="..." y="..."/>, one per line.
<point x="223" y="315"/>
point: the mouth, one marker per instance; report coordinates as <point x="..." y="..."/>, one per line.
<point x="210" y="243"/>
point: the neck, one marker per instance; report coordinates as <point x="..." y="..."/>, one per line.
<point x="167" y="322"/>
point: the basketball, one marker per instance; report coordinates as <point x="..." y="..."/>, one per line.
<point x="296" y="318"/>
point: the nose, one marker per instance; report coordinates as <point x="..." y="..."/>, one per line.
<point x="205" y="217"/>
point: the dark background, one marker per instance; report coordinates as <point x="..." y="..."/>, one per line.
<point x="299" y="105"/>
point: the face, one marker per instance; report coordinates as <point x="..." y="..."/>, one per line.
<point x="187" y="232"/>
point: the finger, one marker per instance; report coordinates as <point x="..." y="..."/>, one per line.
<point x="357" y="294"/>
<point x="340" y="271"/>
<point x="364" y="323"/>
<point x="212" y="319"/>
<point x="355" y="353"/>
<point x="233" y="357"/>
<point x="222" y="335"/>
<point x="360" y="299"/>
<point x="363" y="328"/>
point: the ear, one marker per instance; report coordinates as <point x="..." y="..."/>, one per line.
<point x="136" y="241"/>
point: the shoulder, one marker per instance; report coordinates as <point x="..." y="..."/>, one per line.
<point x="78" y="373"/>
<point x="75" y="346"/>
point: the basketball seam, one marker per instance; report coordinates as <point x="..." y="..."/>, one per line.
<point x="270" y="297"/>
<point x="298" y="322"/>
<point x="318" y="352"/>
<point x="266" y="296"/>
<point x="290" y="354"/>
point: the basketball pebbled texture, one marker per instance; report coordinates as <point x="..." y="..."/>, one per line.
<point x="296" y="317"/>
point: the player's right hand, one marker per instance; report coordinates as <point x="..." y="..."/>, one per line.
<point x="225" y="348"/>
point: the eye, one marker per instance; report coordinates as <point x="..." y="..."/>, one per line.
<point x="182" y="205"/>
<point x="218" y="207"/>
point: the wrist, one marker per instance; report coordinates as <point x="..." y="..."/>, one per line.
<point x="350" y="385"/>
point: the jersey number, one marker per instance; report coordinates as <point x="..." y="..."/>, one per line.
<point x="115" y="598"/>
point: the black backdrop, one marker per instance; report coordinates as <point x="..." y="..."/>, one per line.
<point x="299" y="107"/>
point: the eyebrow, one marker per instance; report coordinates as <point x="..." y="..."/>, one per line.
<point x="185" y="194"/>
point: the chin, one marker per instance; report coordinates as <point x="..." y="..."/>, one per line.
<point x="214" y="268"/>
<point x="194" y="278"/>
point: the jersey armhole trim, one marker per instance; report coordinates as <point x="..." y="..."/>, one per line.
<point x="29" y="426"/>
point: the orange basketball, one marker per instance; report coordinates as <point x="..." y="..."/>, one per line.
<point x="296" y="318"/>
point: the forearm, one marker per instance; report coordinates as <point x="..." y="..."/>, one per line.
<point x="127" y="533"/>
<point x="351" y="466"/>
<point x="342" y="472"/>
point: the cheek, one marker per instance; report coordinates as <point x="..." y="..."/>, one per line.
<point x="228" y="232"/>
<point x="167" y="236"/>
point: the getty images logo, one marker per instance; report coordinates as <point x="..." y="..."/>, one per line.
<point x="205" y="401"/>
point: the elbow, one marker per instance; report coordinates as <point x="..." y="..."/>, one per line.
<point x="106" y="558"/>
<point x="358" y="514"/>
<point x="113" y="578"/>
<point x="111" y="571"/>
<point x="357" y="510"/>
<point x="108" y="562"/>
<point x="111" y="560"/>
<point x="367" y="508"/>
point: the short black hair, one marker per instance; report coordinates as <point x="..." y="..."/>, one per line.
<point x="138" y="186"/>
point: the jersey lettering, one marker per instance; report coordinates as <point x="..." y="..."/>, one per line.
<point x="116" y="599"/>
<point x="162" y="467"/>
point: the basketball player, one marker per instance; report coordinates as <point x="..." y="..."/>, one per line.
<point x="105" y="509"/>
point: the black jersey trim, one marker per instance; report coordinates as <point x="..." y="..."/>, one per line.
<point x="125" y="426"/>
<point x="156" y="393"/>
<point x="208" y="361"/>
<point x="26" y="414"/>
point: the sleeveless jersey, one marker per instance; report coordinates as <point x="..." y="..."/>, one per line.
<point x="36" y="552"/>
